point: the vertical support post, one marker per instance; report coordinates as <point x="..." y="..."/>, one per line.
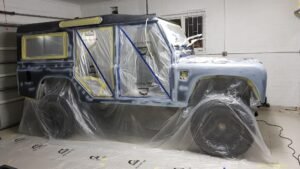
<point x="147" y="7"/>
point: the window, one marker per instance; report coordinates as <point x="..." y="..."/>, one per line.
<point x="192" y="24"/>
<point x="145" y="61"/>
<point x="45" y="46"/>
<point x="94" y="61"/>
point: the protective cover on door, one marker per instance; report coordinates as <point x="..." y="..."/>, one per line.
<point x="144" y="62"/>
<point x="94" y="60"/>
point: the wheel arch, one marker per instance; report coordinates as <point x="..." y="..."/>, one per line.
<point x="210" y="82"/>
<point x="57" y="80"/>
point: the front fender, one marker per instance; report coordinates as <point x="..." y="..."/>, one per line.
<point x="249" y="70"/>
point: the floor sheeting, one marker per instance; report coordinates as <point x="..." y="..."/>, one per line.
<point x="28" y="152"/>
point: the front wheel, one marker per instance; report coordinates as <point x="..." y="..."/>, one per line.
<point x="222" y="127"/>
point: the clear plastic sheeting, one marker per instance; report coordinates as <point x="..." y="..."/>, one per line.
<point x="27" y="152"/>
<point x="94" y="60"/>
<point x="220" y="124"/>
<point x="144" y="61"/>
<point x="177" y="39"/>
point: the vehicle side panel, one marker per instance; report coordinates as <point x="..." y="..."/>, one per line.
<point x="255" y="74"/>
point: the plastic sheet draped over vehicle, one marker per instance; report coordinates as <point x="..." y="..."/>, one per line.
<point x="176" y="38"/>
<point x="145" y="61"/>
<point x="94" y="60"/>
<point x="220" y="124"/>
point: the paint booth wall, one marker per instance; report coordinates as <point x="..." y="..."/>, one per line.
<point x="264" y="29"/>
<point x="11" y="103"/>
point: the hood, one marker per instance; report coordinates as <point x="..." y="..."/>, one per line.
<point x="216" y="60"/>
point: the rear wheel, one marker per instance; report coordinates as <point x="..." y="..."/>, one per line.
<point x="55" y="116"/>
<point x="222" y="129"/>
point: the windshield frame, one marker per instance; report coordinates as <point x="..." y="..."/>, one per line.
<point x="176" y="53"/>
<point x="176" y="28"/>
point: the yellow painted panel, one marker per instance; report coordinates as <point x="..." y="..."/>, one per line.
<point x="80" y="22"/>
<point x="101" y="84"/>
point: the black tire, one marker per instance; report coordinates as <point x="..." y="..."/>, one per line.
<point x="55" y="116"/>
<point x="219" y="128"/>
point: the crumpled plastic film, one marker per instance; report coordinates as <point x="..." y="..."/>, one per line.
<point x="142" y="48"/>
<point x="94" y="60"/>
<point x="219" y="124"/>
<point x="58" y="114"/>
<point x="28" y="152"/>
<point x="177" y="39"/>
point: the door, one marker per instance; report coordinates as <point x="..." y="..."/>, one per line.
<point x="144" y="62"/>
<point x="94" y="61"/>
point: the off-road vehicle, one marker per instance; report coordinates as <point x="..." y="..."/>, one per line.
<point x="141" y="60"/>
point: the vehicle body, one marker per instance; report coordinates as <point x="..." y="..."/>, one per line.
<point x="176" y="89"/>
<point x="125" y="59"/>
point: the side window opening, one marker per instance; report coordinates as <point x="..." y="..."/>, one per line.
<point x="94" y="61"/>
<point x="144" y="62"/>
<point x="45" y="46"/>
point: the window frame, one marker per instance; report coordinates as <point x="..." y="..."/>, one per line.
<point x="64" y="35"/>
<point x="112" y="88"/>
<point x="120" y="30"/>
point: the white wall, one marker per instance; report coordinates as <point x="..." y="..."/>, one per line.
<point x="11" y="103"/>
<point x="125" y="7"/>
<point x="262" y="29"/>
<point x="39" y="7"/>
<point x="268" y="26"/>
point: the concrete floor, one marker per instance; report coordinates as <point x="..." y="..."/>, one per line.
<point x="289" y="119"/>
<point x="28" y="152"/>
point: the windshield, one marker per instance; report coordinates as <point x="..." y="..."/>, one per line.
<point x="177" y="39"/>
<point x="174" y="33"/>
